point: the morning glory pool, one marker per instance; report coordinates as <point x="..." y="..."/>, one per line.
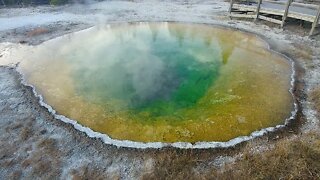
<point x="163" y="82"/>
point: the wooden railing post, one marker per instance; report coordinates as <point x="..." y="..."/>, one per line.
<point x="231" y="4"/>
<point x="315" y="23"/>
<point x="258" y="10"/>
<point x="3" y="3"/>
<point x="286" y="13"/>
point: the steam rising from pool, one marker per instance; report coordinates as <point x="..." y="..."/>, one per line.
<point x="163" y="82"/>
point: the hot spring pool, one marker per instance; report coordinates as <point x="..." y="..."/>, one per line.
<point x="163" y="82"/>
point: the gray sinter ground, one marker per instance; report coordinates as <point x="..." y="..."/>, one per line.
<point x="34" y="144"/>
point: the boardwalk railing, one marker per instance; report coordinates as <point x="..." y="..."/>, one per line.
<point x="262" y="9"/>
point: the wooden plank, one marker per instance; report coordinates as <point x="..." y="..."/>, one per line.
<point x="275" y="2"/>
<point x="315" y="23"/>
<point x="242" y="15"/>
<point x="262" y="10"/>
<point x="271" y="12"/>
<point x="270" y="19"/>
<point x="304" y="17"/>
<point x="244" y="7"/>
<point x="310" y="6"/>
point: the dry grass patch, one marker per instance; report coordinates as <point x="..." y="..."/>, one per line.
<point x="302" y="52"/>
<point x="315" y="97"/>
<point x="7" y="151"/>
<point x="43" y="166"/>
<point x="37" y="31"/>
<point x="45" y="161"/>
<point x="49" y="147"/>
<point x="174" y="164"/>
<point x="89" y="172"/>
<point x="15" y="175"/>
<point x="26" y="133"/>
<point x="290" y="159"/>
<point x="47" y="143"/>
<point x="13" y="127"/>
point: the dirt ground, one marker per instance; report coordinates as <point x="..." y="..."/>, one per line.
<point x="33" y="144"/>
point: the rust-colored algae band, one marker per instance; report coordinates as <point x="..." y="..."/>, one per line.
<point x="163" y="82"/>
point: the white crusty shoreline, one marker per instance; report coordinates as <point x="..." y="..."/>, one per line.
<point x="182" y="145"/>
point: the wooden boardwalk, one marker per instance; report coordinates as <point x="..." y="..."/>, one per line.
<point x="267" y="9"/>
